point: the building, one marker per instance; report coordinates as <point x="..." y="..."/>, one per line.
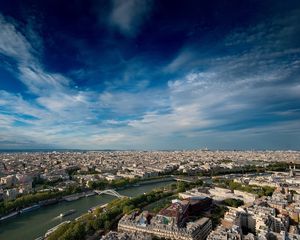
<point x="176" y="213"/>
<point x="165" y="226"/>
<point x="222" y="233"/>
<point x="126" y="236"/>
<point x="10" y="194"/>
<point x="247" y="197"/>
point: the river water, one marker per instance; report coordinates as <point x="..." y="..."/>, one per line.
<point x="34" y="224"/>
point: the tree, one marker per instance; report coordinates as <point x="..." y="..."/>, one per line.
<point x="231" y="202"/>
<point x="181" y="186"/>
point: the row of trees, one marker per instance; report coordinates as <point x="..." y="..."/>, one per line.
<point x="33" y="198"/>
<point x="277" y="166"/>
<point x="103" y="183"/>
<point x="259" y="190"/>
<point x="232" y="202"/>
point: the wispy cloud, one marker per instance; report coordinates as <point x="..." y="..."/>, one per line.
<point x="250" y="90"/>
<point x="128" y="16"/>
<point x="13" y="43"/>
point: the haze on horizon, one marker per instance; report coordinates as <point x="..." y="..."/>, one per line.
<point x="146" y="74"/>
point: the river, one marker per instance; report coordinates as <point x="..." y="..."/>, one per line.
<point x="35" y="224"/>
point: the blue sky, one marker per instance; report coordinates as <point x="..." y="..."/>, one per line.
<point x="145" y="74"/>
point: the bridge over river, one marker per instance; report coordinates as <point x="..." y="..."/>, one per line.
<point x="111" y="192"/>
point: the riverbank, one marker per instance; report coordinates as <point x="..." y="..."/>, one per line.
<point x="147" y="181"/>
<point x="36" y="223"/>
<point x="47" y="202"/>
<point x="60" y="196"/>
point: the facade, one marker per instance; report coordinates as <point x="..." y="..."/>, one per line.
<point x="157" y="226"/>
<point x="247" y="197"/>
<point x="222" y="233"/>
<point x="176" y="213"/>
<point x="10" y="194"/>
<point x="258" y="222"/>
<point x="126" y="236"/>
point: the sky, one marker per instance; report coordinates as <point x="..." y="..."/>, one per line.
<point x="146" y="74"/>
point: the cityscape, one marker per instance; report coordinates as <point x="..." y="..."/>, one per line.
<point x="199" y="194"/>
<point x="150" y="120"/>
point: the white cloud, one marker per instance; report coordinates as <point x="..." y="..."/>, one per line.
<point x="40" y="82"/>
<point x="191" y="109"/>
<point x="13" y="43"/>
<point x="14" y="103"/>
<point x="129" y="15"/>
<point x="127" y="103"/>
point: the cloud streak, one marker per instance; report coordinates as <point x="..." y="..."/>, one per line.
<point x="128" y="16"/>
<point x="207" y="98"/>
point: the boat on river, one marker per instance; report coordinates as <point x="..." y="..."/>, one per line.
<point x="71" y="198"/>
<point x="9" y="215"/>
<point x="67" y="213"/>
<point x="29" y="209"/>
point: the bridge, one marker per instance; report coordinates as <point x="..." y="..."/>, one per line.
<point x="111" y="192"/>
<point x="183" y="180"/>
<point x="179" y="179"/>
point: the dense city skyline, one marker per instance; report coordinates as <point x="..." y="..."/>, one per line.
<point x="149" y="74"/>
